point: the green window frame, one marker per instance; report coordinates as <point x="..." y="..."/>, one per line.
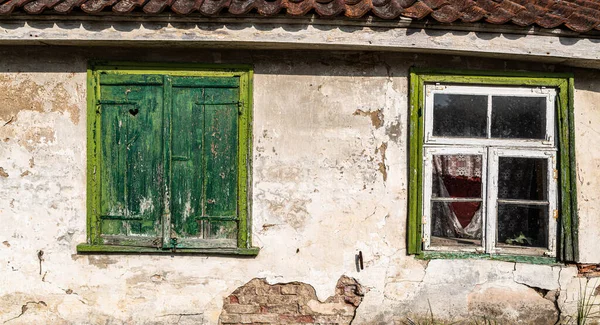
<point x="169" y="158"/>
<point x="567" y="236"/>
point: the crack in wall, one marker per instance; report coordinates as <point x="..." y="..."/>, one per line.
<point x="25" y="307"/>
<point x="181" y="315"/>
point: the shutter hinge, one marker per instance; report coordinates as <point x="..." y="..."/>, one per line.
<point x="555" y="214"/>
<point x="555" y="174"/>
<point x="240" y="107"/>
<point x="173" y="243"/>
<point x="423" y="220"/>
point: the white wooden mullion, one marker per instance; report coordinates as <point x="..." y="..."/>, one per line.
<point x="553" y="202"/>
<point x="550" y="117"/>
<point x="492" y="201"/>
<point x="489" y="117"/>
<point x="428" y="188"/>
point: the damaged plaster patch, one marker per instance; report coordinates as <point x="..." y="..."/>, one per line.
<point x="290" y="303"/>
<point x="26" y="307"/>
<point x="101" y="262"/>
<point x="394" y="131"/>
<point x="376" y="116"/>
<point x="588" y="270"/>
<point x="512" y="305"/>
<point x="35" y="137"/>
<point x="3" y="173"/>
<point x="19" y="92"/>
<point x="382" y="169"/>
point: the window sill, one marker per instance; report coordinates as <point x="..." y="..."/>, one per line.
<point x="430" y="255"/>
<point x="106" y="249"/>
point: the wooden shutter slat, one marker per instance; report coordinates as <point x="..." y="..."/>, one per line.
<point x="130" y="79"/>
<point x="187" y="176"/>
<point x="205" y="146"/>
<point x="131" y="166"/>
<point x="206" y="82"/>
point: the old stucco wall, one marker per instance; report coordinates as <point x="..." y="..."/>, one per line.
<point x="330" y="161"/>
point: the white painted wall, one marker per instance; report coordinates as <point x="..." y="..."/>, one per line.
<point x="318" y="197"/>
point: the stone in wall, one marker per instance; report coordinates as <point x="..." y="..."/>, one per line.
<point x="258" y="302"/>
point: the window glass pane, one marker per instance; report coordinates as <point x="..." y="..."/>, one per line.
<point x="457" y="176"/>
<point x="459" y="115"/>
<point x="522" y="225"/>
<point x="518" y="117"/>
<point x="456" y="223"/>
<point x="523" y="178"/>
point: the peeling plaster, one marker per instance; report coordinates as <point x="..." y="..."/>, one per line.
<point x="376" y="116"/>
<point x="317" y="198"/>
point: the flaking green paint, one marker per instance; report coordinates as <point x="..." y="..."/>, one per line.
<point x="233" y="211"/>
<point x="567" y="250"/>
<point x="429" y="255"/>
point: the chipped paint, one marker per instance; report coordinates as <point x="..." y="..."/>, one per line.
<point x="327" y="183"/>
<point x="376" y="116"/>
<point x="382" y="167"/>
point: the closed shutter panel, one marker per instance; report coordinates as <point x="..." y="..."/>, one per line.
<point x="131" y="168"/>
<point x="204" y="148"/>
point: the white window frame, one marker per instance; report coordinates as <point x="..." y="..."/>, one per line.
<point x="429" y="152"/>
<point x="490" y="91"/>
<point x="491" y="229"/>
<point x="491" y="149"/>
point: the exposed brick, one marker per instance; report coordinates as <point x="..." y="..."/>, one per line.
<point x="291" y="289"/>
<point x="589" y="270"/>
<point x="258" y="302"/>
<point x="229" y="319"/>
<point x="269" y="290"/>
<point x="241" y="309"/>
<point x="259" y="318"/>
<point x="281" y="299"/>
<point x="296" y="318"/>
<point x="291" y="308"/>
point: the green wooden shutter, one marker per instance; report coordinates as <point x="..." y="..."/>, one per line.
<point x="204" y="149"/>
<point x="131" y="163"/>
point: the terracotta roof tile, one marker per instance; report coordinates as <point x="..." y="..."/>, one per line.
<point x="473" y="14"/>
<point x="577" y="15"/>
<point x="419" y="10"/>
<point x="446" y="14"/>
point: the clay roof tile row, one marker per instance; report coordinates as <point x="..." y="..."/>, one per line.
<point x="577" y="15"/>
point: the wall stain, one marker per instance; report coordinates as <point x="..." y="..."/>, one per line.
<point x="3" y="173"/>
<point x="376" y="116"/>
<point x="382" y="168"/>
<point x="394" y="132"/>
<point x="101" y="262"/>
<point x="25" y="173"/>
<point x="18" y="94"/>
<point x="34" y="137"/>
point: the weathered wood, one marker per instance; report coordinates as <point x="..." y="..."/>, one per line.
<point x="567" y="245"/>
<point x="131" y="168"/>
<point x="168" y="147"/>
<point x="115" y="249"/>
